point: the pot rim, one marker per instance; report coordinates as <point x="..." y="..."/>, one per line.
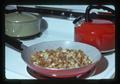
<point x="38" y="17"/>
<point x="24" y="21"/>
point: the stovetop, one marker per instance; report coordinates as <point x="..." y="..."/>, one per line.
<point x="56" y="29"/>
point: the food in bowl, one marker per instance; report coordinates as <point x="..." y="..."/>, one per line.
<point x="60" y="58"/>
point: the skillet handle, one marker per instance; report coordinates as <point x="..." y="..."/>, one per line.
<point x="13" y="43"/>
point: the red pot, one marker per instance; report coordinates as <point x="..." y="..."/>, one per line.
<point x="97" y="32"/>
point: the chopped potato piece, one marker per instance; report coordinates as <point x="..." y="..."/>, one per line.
<point x="60" y="58"/>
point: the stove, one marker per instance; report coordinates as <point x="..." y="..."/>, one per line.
<point x="57" y="29"/>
